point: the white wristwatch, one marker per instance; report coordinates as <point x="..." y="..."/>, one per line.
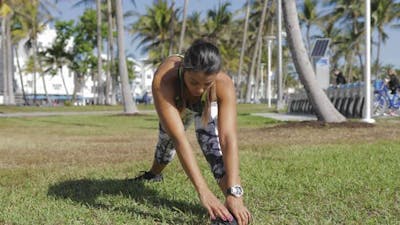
<point x="235" y="190"/>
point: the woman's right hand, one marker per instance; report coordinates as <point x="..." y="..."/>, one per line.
<point x="214" y="206"/>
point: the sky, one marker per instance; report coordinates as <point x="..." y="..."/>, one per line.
<point x="389" y="52"/>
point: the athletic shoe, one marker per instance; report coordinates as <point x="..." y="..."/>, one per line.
<point x="148" y="176"/>
<point x="219" y="221"/>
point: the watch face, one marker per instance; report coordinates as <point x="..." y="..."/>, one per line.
<point x="236" y="190"/>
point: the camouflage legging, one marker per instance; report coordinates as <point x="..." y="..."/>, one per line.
<point x="206" y="136"/>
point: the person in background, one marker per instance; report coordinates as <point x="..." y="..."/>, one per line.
<point x="393" y="81"/>
<point x="339" y="77"/>
<point x="193" y="87"/>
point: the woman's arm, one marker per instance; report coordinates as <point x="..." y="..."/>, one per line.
<point x="228" y="139"/>
<point x="227" y="129"/>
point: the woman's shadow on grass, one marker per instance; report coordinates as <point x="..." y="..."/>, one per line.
<point x="87" y="191"/>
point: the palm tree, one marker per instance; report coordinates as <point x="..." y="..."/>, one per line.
<point x="36" y="16"/>
<point x="19" y="31"/>
<point x="217" y="23"/>
<point x="153" y="30"/>
<point x="110" y="78"/>
<point x="310" y="17"/>
<point x="349" y="16"/>
<point x="6" y="14"/>
<point x="57" y="56"/>
<point x="183" y="28"/>
<point x="129" y="105"/>
<point x="100" y="91"/>
<point x="324" y="109"/>
<point x="384" y="12"/>
<point x="250" y="78"/>
<point x="194" y="27"/>
<point x="171" y="29"/>
<point x="243" y="48"/>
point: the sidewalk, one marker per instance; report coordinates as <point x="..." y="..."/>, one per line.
<point x="276" y="116"/>
<point x="287" y="117"/>
<point x="39" y="114"/>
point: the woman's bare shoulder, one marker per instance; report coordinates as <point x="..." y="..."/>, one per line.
<point x="224" y="85"/>
<point x="223" y="79"/>
<point x="169" y="63"/>
<point x="167" y="69"/>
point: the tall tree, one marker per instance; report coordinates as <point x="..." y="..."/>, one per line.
<point x="153" y="30"/>
<point x="8" y="91"/>
<point x="243" y="49"/>
<point x="111" y="81"/>
<point x="250" y="78"/>
<point x="100" y="86"/>
<point x="309" y="16"/>
<point x="349" y="17"/>
<point x="218" y="22"/>
<point x="129" y="105"/>
<point x="324" y="109"/>
<point x="19" y="31"/>
<point x="57" y="55"/>
<point x="183" y="28"/>
<point x="384" y="13"/>
<point x="36" y="15"/>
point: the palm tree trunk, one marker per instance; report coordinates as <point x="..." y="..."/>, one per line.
<point x="100" y="91"/>
<point x="129" y="105"/>
<point x="20" y="76"/>
<point x="258" y="73"/>
<point x="76" y="87"/>
<point x="309" y="40"/>
<point x="171" y="29"/>
<point x="324" y="109"/>
<point x="42" y="74"/>
<point x="350" y="74"/>
<point x="5" y="60"/>
<point x="182" y="37"/>
<point x="10" y="64"/>
<point x="239" y="91"/>
<point x="110" y="55"/>
<point x="63" y="80"/>
<point x="250" y="77"/>
<point x="378" y="54"/>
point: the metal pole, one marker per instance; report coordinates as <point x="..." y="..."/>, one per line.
<point x="269" y="91"/>
<point x="367" y="69"/>
<point x="280" y="104"/>
<point x="262" y="88"/>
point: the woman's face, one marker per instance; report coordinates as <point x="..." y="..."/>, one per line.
<point x="198" y="82"/>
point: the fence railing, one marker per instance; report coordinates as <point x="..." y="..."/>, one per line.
<point x="348" y="99"/>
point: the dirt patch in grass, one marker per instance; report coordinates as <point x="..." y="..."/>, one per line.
<point x="312" y="133"/>
<point x="89" y="145"/>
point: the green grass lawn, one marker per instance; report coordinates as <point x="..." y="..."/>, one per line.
<point x="72" y="170"/>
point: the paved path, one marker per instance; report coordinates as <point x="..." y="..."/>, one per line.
<point x="287" y="117"/>
<point x="276" y="116"/>
<point x="38" y="114"/>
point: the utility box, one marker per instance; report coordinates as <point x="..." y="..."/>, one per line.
<point x="320" y="61"/>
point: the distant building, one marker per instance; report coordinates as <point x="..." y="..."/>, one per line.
<point x="143" y="77"/>
<point x="56" y="90"/>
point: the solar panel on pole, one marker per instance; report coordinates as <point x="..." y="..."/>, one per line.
<point x="320" y="48"/>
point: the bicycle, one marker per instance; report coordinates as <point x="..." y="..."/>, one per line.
<point x="384" y="100"/>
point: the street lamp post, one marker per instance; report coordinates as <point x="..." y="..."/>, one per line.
<point x="280" y="104"/>
<point x="367" y="70"/>
<point x="269" y="72"/>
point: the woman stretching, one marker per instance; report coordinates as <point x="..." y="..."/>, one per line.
<point x="190" y="88"/>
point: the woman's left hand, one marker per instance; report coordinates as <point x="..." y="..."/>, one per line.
<point x="237" y="208"/>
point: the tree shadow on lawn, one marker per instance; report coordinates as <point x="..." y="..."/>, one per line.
<point x="86" y="192"/>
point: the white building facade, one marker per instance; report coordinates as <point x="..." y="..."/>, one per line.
<point x="58" y="90"/>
